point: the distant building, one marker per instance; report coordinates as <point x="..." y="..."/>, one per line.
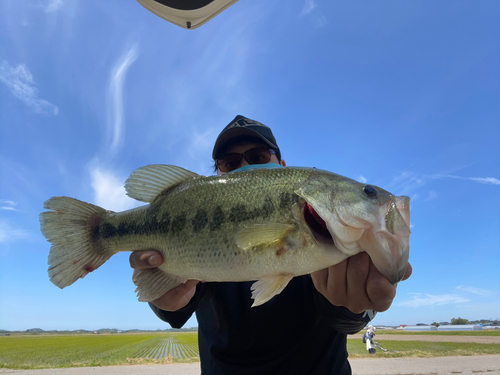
<point x="461" y="327"/>
<point x="420" y="328"/>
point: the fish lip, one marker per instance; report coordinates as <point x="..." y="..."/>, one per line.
<point x="398" y="206"/>
<point x="397" y="237"/>
<point x="403" y="205"/>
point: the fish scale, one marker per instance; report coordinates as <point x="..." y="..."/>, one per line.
<point x="252" y="225"/>
<point x="182" y="244"/>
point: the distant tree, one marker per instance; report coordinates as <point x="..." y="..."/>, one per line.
<point x="435" y="324"/>
<point x="459" y="321"/>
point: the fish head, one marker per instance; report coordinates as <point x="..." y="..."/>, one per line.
<point x="359" y="217"/>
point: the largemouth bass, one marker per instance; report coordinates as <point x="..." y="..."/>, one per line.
<point x="267" y="225"/>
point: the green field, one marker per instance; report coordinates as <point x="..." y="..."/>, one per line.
<point x="491" y="332"/>
<point x="423" y="349"/>
<point x="53" y="351"/>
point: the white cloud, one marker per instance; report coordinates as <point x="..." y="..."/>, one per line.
<point x="316" y="17"/>
<point x="481" y="180"/>
<point x="309" y="6"/>
<point x="406" y="183"/>
<point x="423" y="299"/>
<point x="21" y="84"/>
<point x="432" y="195"/>
<point x="7" y="205"/>
<point x="198" y="145"/>
<point x="109" y="190"/>
<point x="115" y="97"/>
<point x="9" y="233"/>
<point x="54" y="6"/>
<point x="362" y="179"/>
<point x="478" y="291"/>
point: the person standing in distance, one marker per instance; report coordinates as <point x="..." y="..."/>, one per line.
<point x="304" y="329"/>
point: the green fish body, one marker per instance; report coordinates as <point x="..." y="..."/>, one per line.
<point x="267" y="225"/>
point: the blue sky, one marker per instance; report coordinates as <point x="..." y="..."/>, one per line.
<point x="401" y="94"/>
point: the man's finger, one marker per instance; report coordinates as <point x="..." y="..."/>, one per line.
<point x="177" y="297"/>
<point x="408" y="272"/>
<point x="143" y="259"/>
<point x="358" y="270"/>
<point x="320" y="279"/>
<point x="380" y="291"/>
<point x="183" y="289"/>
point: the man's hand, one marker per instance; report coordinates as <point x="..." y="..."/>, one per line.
<point x="175" y="298"/>
<point x="356" y="284"/>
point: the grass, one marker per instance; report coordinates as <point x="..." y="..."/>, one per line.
<point x="37" y="352"/>
<point x="181" y="348"/>
<point x="492" y="332"/>
<point x="55" y="351"/>
<point x="421" y="349"/>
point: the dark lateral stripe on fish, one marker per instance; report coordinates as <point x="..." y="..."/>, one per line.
<point x="201" y="219"/>
<point x="241" y="213"/>
<point x="286" y="200"/>
<point x="217" y="219"/>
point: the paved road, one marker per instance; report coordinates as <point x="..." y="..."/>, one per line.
<point x="489" y="364"/>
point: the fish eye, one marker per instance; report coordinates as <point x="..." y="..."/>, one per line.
<point x="370" y="191"/>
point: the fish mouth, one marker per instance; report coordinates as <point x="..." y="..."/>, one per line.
<point x="387" y="241"/>
<point x="385" y="237"/>
<point x="317" y="225"/>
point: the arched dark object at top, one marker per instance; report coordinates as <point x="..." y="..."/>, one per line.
<point x="188" y="14"/>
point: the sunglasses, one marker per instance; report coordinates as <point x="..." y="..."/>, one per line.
<point x="232" y="161"/>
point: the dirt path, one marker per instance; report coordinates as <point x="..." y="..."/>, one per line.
<point x="434" y="338"/>
<point x="366" y="366"/>
<point x="427" y="366"/>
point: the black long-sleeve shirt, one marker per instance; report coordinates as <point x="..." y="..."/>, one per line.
<point x="296" y="332"/>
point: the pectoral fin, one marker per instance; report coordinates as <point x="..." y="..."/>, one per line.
<point x="266" y="288"/>
<point x="262" y="235"/>
<point x="152" y="283"/>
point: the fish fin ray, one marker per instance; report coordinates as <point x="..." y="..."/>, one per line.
<point x="266" y="288"/>
<point x="72" y="254"/>
<point x="262" y="235"/>
<point x="152" y="283"/>
<point x="146" y="183"/>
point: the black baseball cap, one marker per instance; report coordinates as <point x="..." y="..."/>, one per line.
<point x="242" y="126"/>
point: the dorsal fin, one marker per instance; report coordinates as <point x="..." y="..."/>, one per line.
<point x="146" y="183"/>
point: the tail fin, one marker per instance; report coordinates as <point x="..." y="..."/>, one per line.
<point x="69" y="227"/>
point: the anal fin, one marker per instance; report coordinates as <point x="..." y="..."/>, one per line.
<point x="266" y="288"/>
<point x="152" y="283"/>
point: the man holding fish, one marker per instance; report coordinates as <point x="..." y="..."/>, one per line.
<point x="301" y="325"/>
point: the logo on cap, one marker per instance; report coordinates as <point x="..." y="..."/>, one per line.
<point x="242" y="122"/>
